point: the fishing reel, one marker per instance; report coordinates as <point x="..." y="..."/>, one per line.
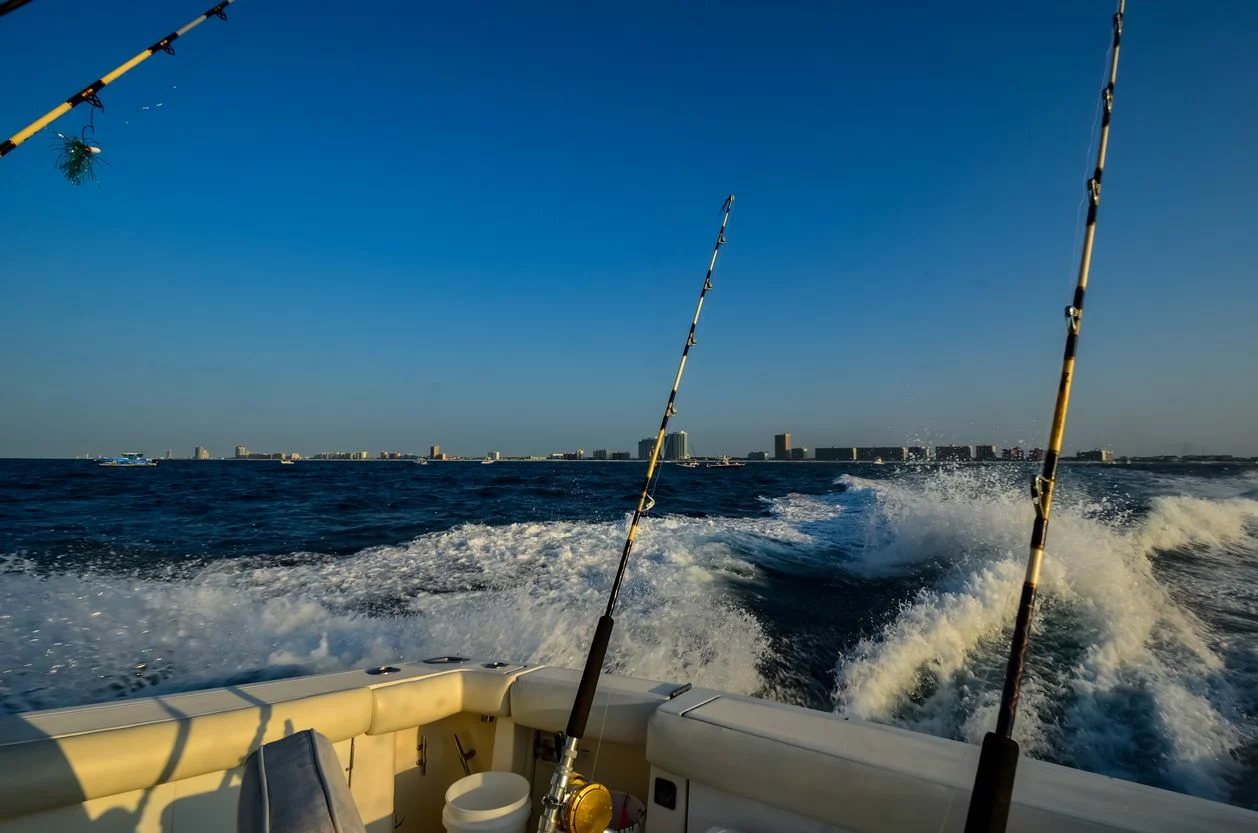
<point x="587" y="807"/>
<point x="573" y="804"/>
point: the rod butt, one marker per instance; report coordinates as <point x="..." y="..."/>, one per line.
<point x="993" y="785"/>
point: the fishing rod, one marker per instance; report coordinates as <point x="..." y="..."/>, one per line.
<point x="582" y="804"/>
<point x="998" y="762"/>
<point x="11" y="6"/>
<point x="90" y="92"/>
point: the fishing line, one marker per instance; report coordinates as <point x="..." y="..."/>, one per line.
<point x="1087" y="157"/>
<point x="607" y="701"/>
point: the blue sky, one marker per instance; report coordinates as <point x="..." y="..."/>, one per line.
<point x="485" y="225"/>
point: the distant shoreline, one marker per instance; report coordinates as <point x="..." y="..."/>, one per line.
<point x="476" y="460"/>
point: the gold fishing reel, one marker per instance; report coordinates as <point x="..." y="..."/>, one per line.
<point x="588" y="807"/>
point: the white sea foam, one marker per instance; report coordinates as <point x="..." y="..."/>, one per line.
<point x="1124" y="680"/>
<point x="527" y="592"/>
<point x="804" y="508"/>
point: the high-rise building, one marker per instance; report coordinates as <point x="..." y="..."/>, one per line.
<point x="434" y="452"/>
<point x="757" y="455"/>
<point x="919" y="453"/>
<point x="1035" y="455"/>
<point x="200" y="454"/>
<point x="600" y="454"/>
<point x="799" y="453"/>
<point x="677" y="446"/>
<point x="621" y="455"/>
<point x="986" y="452"/>
<point x="644" y="448"/>
<point x="1014" y="453"/>
<point x="494" y="455"/>
<point x="1100" y="455"/>
<point x="781" y="446"/>
<point x="954" y="453"/>
<point x="844" y="453"/>
<point x="242" y="453"/>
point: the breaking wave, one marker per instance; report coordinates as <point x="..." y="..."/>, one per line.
<point x="1122" y="679"/>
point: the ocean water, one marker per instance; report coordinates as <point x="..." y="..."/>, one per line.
<point x="882" y="592"/>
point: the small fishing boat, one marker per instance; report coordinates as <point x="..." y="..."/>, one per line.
<point x="422" y="461"/>
<point x="724" y="462"/>
<point x="128" y="460"/>
<point x="286" y="462"/>
<point x="488" y="461"/>
<point x="688" y="464"/>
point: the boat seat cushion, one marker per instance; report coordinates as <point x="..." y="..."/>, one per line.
<point x="789" y="757"/>
<point x="295" y="785"/>
<point x="868" y="778"/>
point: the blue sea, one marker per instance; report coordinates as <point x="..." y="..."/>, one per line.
<point x="882" y="592"/>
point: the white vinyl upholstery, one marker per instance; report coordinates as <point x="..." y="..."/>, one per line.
<point x="66" y="756"/>
<point x="44" y="772"/>
<point x="415" y="702"/>
<point x="542" y="699"/>
<point x="875" y="779"/>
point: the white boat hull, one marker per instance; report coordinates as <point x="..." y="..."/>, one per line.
<point x="173" y="763"/>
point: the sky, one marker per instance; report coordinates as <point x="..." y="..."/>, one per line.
<point x="387" y="225"/>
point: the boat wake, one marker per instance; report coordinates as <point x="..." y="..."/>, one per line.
<point x="1124" y="677"/>
<point x="521" y="592"/>
<point x="1143" y="665"/>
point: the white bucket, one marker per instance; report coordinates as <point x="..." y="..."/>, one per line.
<point x="487" y="802"/>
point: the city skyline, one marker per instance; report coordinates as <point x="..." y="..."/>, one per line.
<point x="903" y="244"/>
<point x="676" y="447"/>
<point x="704" y="448"/>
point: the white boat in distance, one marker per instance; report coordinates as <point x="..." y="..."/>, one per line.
<point x="724" y="462"/>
